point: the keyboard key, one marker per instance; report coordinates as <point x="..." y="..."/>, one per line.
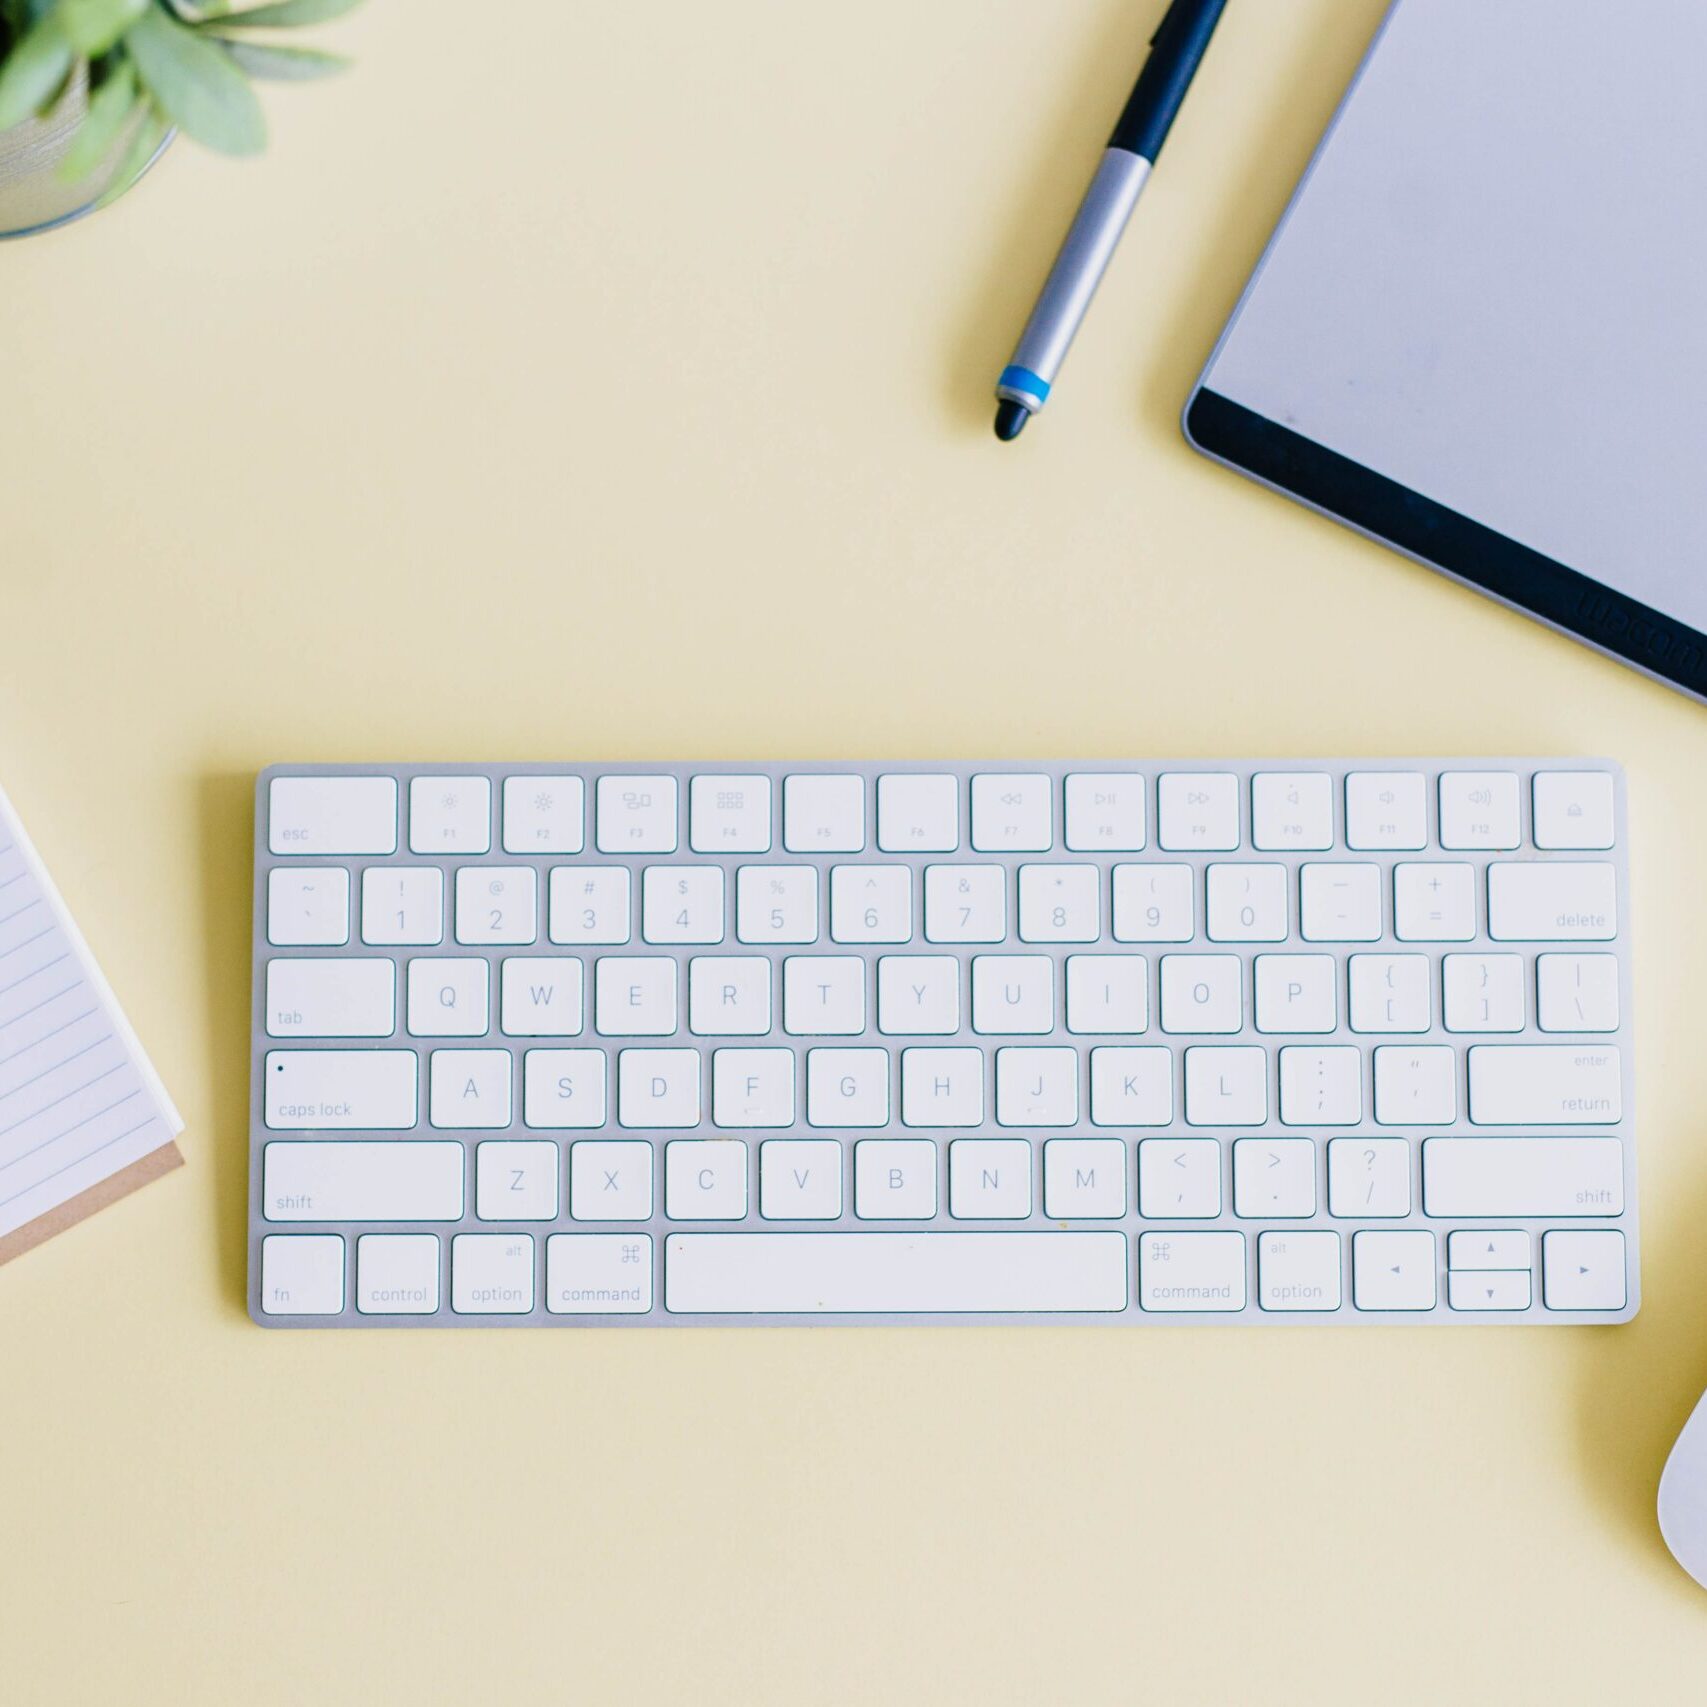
<point x="1013" y="993"/>
<point x="1434" y="902"/>
<point x="610" y="1179"/>
<point x="1390" y="992"/>
<point x="332" y="815"/>
<point x="1544" y="1085"/>
<point x="1298" y="1271"/>
<point x="823" y="814"/>
<point x="496" y="904"/>
<point x="563" y="1088"/>
<point x="1105" y="812"/>
<point x="918" y="814"/>
<point x="1478" y="809"/>
<point x="1523" y="1176"/>
<point x="752" y="1087"/>
<point x="1321" y="1087"/>
<point x="1552" y="901"/>
<point x="1059" y="903"/>
<point x="1084" y="1179"/>
<point x="1573" y="809"/>
<point x="1179" y="1179"/>
<point x="942" y="1087"/>
<point x="776" y="903"/>
<point x="658" y="1088"/>
<point x="1340" y="903"/>
<point x="450" y="815"/>
<point x="515" y="1180"/>
<point x="1107" y="993"/>
<point x="965" y="903"/>
<point x="1197" y="812"/>
<point x="705" y="1179"/>
<point x="449" y="998"/>
<point x="598" y="1274"/>
<point x="729" y="815"/>
<point x="847" y="1087"/>
<point x="391" y="1179"/>
<point x="1584" y="1271"/>
<point x="1483" y="992"/>
<point x="1393" y="1271"/>
<point x="636" y="814"/>
<point x="681" y="903"/>
<point x="1012" y="814"/>
<point x="800" y="1179"/>
<point x="491" y="1274"/>
<point x="331" y="998"/>
<point x="895" y="1179"/>
<point x="542" y="998"/>
<point x="1296" y="992"/>
<point x="1385" y="809"/>
<point x="1202" y="993"/>
<point x="1416" y="1086"/>
<point x="1292" y="810"/>
<point x="1369" y="1178"/>
<point x="635" y="997"/>
<point x="729" y="995"/>
<point x="989" y="1179"/>
<point x="1037" y="1087"/>
<point x="1226" y="1087"/>
<point x="823" y="995"/>
<point x="308" y="907"/>
<point x="871" y="903"/>
<point x="1492" y="1290"/>
<point x="1577" y="992"/>
<point x="1274" y="1178"/>
<point x="1247" y="903"/>
<point x="469" y="1088"/>
<point x="302" y="1275"/>
<point x="544" y="815"/>
<point x="918" y="995"/>
<point x="340" y="1090"/>
<point x="1153" y="903"/>
<point x="1478" y="1249"/>
<point x="894" y="1273"/>
<point x="590" y="904"/>
<point x="397" y="1274"/>
<point x="403" y="904"/>
<point x="1191" y="1271"/>
<point x="1132" y="1087"/>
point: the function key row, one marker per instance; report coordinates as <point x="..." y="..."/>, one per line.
<point x="1008" y="812"/>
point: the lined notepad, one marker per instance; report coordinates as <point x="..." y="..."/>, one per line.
<point x="83" y="1115"/>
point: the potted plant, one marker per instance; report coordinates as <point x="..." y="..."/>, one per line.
<point x="92" y="90"/>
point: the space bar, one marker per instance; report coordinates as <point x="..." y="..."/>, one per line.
<point x="819" y="1274"/>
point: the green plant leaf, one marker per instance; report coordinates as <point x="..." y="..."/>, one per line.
<point x="288" y="14"/>
<point x="109" y="108"/>
<point x="150" y="134"/>
<point x="290" y="64"/>
<point x="37" y="66"/>
<point x="94" y="25"/>
<point x="195" y="84"/>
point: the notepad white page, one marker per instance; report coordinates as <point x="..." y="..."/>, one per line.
<point x="79" y="1099"/>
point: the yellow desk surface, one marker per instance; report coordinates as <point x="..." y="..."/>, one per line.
<point x="595" y="380"/>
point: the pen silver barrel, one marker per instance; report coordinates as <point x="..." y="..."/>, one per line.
<point x="1084" y="257"/>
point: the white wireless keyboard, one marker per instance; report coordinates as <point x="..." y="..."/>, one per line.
<point x="1169" y="1041"/>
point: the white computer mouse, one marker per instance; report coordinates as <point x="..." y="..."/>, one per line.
<point x="1683" y="1496"/>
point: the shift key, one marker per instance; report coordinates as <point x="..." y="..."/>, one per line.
<point x="1545" y="1085"/>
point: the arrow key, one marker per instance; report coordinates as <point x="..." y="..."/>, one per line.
<point x="1491" y="1289"/>
<point x="1584" y="1271"/>
<point x="1488" y="1248"/>
<point x="1393" y="1271"/>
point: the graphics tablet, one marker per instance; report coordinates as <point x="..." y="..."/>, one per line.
<point x="1479" y="333"/>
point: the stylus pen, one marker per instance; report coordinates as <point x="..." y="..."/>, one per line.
<point x="1176" y="49"/>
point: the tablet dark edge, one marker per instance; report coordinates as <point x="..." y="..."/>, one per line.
<point x="1448" y="540"/>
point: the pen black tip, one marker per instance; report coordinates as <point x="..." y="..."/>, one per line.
<point x="1011" y="418"/>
